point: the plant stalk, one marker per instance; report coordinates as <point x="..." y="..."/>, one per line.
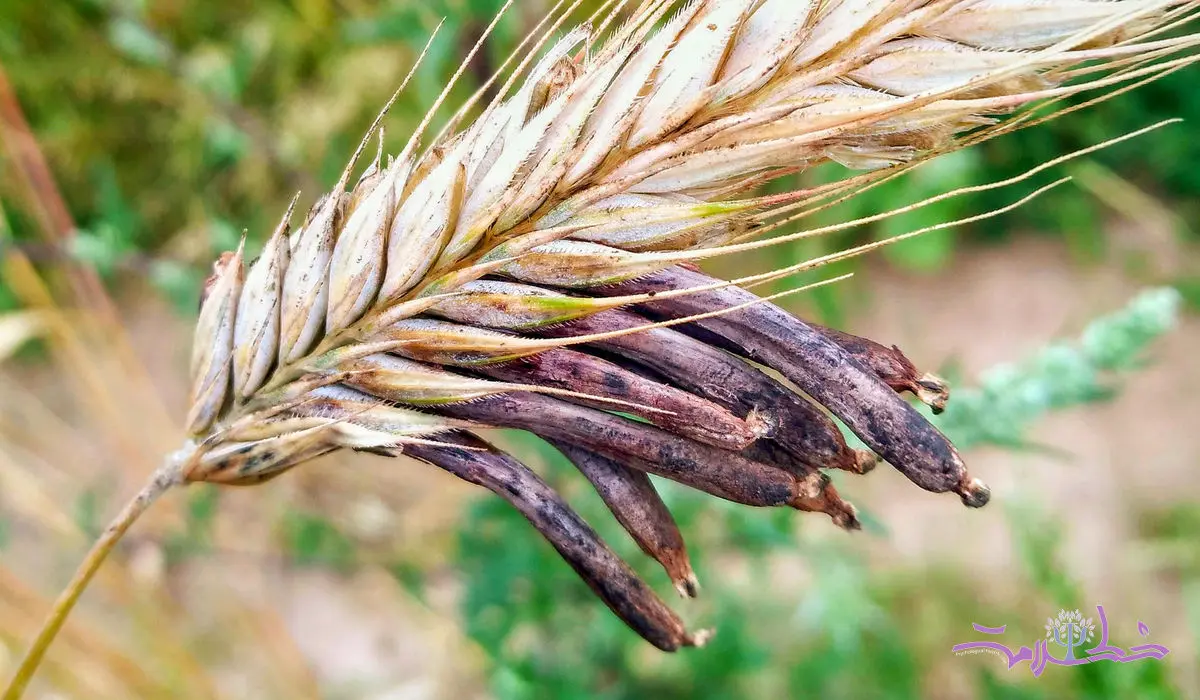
<point x="160" y="482"/>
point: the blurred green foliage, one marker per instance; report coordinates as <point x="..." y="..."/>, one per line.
<point x="196" y="535"/>
<point x="311" y="540"/>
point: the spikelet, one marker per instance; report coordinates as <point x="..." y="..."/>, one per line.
<point x="605" y="167"/>
<point x="616" y="162"/>
<point x="212" y="350"/>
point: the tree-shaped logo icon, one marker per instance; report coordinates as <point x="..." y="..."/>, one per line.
<point x="1069" y="629"/>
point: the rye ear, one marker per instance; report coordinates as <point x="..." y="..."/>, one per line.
<point x="617" y="151"/>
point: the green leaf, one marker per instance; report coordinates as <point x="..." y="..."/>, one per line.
<point x="310" y="539"/>
<point x="180" y="283"/>
<point x="136" y="41"/>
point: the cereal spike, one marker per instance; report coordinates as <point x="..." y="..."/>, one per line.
<point x="720" y="97"/>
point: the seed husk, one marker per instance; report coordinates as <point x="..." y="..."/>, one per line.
<point x="607" y="575"/>
<point x="718" y="472"/>
<point x="773" y="409"/>
<point x="888" y="363"/>
<point x="635" y="503"/>
<point x="825" y="371"/>
<point x="677" y="411"/>
<point x="212" y="349"/>
<point x="892" y="366"/>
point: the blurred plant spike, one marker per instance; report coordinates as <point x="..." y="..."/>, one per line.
<point x="613" y="156"/>
<point x="1013" y="397"/>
